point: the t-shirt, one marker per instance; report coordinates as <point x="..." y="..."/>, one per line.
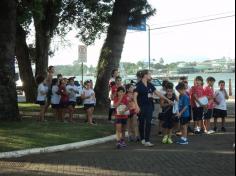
<point x="209" y="92"/>
<point x="55" y="98"/>
<point x="72" y="90"/>
<point x="184" y="102"/>
<point x="145" y="94"/>
<point x="198" y="91"/>
<point x="42" y="92"/>
<point x="88" y="93"/>
<point x="64" y="95"/>
<point x="112" y="94"/>
<point x="124" y="104"/>
<point x="220" y="98"/>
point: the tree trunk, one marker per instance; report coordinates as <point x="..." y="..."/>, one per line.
<point x="45" y="26"/>
<point x="112" y="49"/>
<point x="42" y="47"/>
<point x="24" y="62"/>
<point x="8" y="96"/>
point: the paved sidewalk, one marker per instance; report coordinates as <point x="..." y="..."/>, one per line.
<point x="211" y="155"/>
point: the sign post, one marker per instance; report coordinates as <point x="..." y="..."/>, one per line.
<point x="82" y="58"/>
<point x="142" y="27"/>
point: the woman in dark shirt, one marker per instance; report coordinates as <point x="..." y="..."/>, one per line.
<point x="143" y="98"/>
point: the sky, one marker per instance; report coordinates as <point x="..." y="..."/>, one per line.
<point x="195" y="42"/>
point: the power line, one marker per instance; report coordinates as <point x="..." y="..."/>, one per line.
<point x="193" y="22"/>
<point x="198" y="18"/>
<point x="188" y="23"/>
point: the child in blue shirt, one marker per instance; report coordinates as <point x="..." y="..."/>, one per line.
<point x="184" y="112"/>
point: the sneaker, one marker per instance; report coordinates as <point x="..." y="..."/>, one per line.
<point x="131" y="139"/>
<point x="223" y="129"/>
<point x="118" y="145"/>
<point x="211" y="132"/>
<point x="165" y="139"/>
<point x="197" y="130"/>
<point x="215" y="129"/>
<point x="148" y="144"/>
<point x="169" y="141"/>
<point x="123" y="144"/>
<point x="143" y="142"/>
<point x="182" y="142"/>
<point x="137" y="139"/>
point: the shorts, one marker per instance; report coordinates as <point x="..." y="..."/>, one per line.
<point x="55" y="106"/>
<point x="87" y="106"/>
<point x="63" y="104"/>
<point x="208" y="114"/>
<point x="184" y="120"/>
<point x="79" y="101"/>
<point x="168" y="123"/>
<point x="41" y="103"/>
<point x="217" y="113"/>
<point x="72" y="103"/>
<point x="197" y="113"/>
<point x="121" y="121"/>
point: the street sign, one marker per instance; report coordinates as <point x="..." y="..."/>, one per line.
<point x="141" y="27"/>
<point x="82" y="54"/>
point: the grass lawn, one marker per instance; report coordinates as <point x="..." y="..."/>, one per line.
<point x="31" y="134"/>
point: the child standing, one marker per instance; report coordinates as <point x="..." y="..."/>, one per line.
<point x="122" y="113"/>
<point x="184" y="112"/>
<point x="55" y="98"/>
<point x="112" y="94"/>
<point x="220" y="110"/>
<point x="71" y="89"/>
<point x="64" y="101"/>
<point x="197" y="92"/>
<point x="209" y="92"/>
<point x="89" y="100"/>
<point x="167" y="110"/>
<point x="132" y="120"/>
<point x="161" y="120"/>
<point x="41" y="97"/>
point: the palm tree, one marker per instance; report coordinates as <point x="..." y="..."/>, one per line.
<point x="8" y="95"/>
<point x="125" y="13"/>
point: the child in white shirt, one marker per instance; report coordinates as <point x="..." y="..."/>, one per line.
<point x="41" y="97"/>
<point x="220" y="110"/>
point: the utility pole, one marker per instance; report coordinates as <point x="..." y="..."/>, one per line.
<point x="149" y="46"/>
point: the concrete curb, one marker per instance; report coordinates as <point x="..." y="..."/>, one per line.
<point x="64" y="147"/>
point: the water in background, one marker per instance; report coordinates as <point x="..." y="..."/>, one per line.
<point x="217" y="76"/>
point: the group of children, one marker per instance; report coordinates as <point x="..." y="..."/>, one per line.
<point x="62" y="94"/>
<point x="179" y="105"/>
<point x="198" y="103"/>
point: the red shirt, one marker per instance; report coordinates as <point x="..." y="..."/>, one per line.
<point x="64" y="95"/>
<point x="124" y="102"/>
<point x="209" y="92"/>
<point x="198" y="91"/>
